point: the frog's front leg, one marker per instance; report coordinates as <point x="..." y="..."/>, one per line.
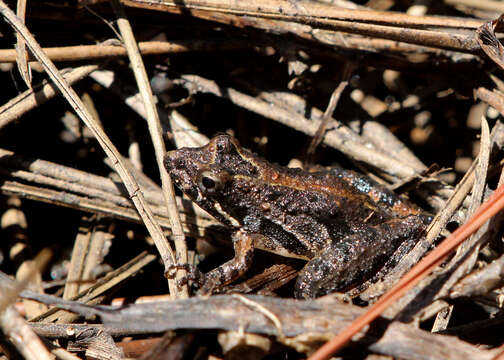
<point x="356" y="257"/>
<point x="243" y="243"/>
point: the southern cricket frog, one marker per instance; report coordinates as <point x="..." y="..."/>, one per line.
<point x="344" y="224"/>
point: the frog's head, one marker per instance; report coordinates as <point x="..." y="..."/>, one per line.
<point x="205" y="173"/>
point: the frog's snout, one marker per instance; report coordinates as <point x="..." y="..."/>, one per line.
<point x="172" y="160"/>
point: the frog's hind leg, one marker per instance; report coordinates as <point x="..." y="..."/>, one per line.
<point x="355" y="258"/>
<point x="243" y="244"/>
<point x="386" y="269"/>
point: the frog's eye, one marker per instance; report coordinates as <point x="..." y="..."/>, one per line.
<point x="211" y="182"/>
<point x="208" y="183"/>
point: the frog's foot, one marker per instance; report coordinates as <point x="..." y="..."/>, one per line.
<point x="234" y="268"/>
<point x="192" y="274"/>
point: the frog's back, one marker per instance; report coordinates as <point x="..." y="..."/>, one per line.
<point x="350" y="191"/>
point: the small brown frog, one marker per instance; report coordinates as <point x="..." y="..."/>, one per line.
<point x="346" y="225"/>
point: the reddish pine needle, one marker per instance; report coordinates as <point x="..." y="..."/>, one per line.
<point x="417" y="273"/>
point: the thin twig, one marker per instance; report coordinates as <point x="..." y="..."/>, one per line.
<point x="494" y="99"/>
<point x="102" y="286"/>
<point x="87" y="253"/>
<point x="38" y="95"/>
<point x="328" y="114"/>
<point x="156" y="133"/>
<point x="89" y="52"/>
<point x="21" y="53"/>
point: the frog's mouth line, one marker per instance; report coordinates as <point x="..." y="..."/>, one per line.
<point x="216" y="211"/>
<point x="224" y="214"/>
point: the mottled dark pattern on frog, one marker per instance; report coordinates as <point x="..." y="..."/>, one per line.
<point x="343" y="222"/>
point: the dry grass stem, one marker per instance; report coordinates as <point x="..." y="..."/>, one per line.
<point x="90" y="52"/>
<point x="94" y="294"/>
<point x="21" y="53"/>
<point x="156" y="134"/>
<point x="328" y="114"/>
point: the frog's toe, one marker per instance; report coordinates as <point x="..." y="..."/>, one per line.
<point x="193" y="274"/>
